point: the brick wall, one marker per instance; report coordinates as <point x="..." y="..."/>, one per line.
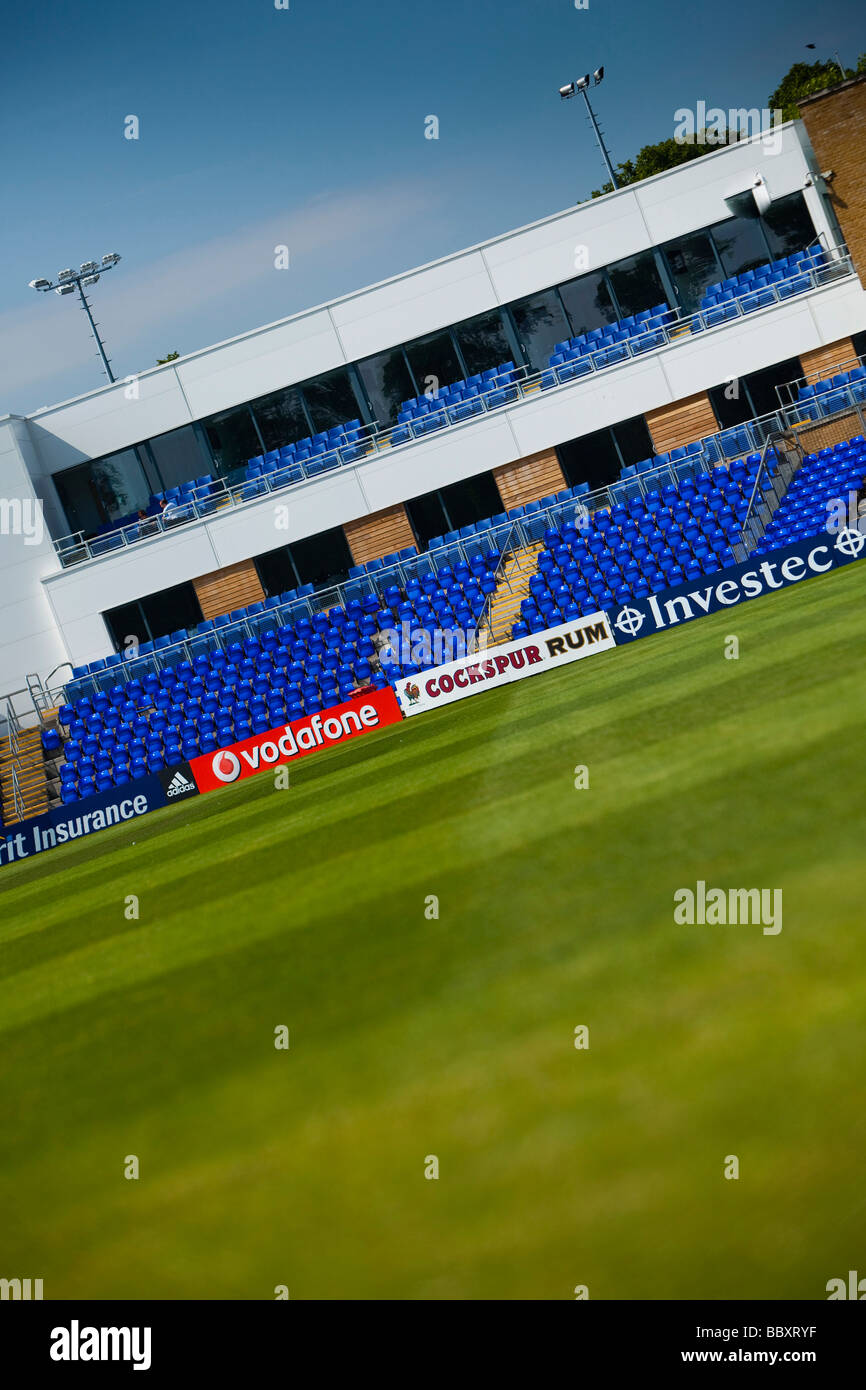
<point x="682" y="422"/>
<point x="371" y="537"/>
<point x="836" y="124"/>
<point x="529" y="479"/>
<point x="232" y="587"/>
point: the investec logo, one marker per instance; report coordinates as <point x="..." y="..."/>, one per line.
<point x="750" y="584"/>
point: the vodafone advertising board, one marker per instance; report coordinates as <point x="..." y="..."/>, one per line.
<point x="456" y="680"/>
<point x="307" y="735"/>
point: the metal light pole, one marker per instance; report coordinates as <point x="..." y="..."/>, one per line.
<point x="68" y="281"/>
<point x="582" y="86"/>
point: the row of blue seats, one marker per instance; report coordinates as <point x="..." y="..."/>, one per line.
<point x="828" y="396"/>
<point x="832" y="475"/>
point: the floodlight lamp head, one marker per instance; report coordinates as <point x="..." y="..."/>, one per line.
<point x="567" y="92"/>
<point x="90" y="280"/>
<point x="598" y="75"/>
<point x="64" y="274"/>
<point x="582" y="82"/>
<point x="87" y="267"/>
<point x="40" y="284"/>
<point x="110" y="258"/>
<point x="65" y="289"/>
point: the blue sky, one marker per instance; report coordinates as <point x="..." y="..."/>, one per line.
<point x="305" y="127"/>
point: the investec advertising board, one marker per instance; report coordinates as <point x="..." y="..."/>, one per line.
<point x="457" y="680"/>
<point x="335" y="725"/>
<point x="762" y="574"/>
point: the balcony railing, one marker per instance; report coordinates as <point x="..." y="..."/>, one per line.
<point x="524" y="385"/>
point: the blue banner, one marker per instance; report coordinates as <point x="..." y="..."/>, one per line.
<point x="67" y="823"/>
<point x="761" y="574"/>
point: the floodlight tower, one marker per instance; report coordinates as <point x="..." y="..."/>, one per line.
<point x="68" y="281"/>
<point x="582" y="86"/>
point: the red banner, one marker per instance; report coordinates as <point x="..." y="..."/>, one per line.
<point x="307" y="735"/>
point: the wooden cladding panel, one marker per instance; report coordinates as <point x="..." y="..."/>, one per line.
<point x="826" y="361"/>
<point x="529" y="479"/>
<point x="682" y="422"/>
<point x="381" y="533"/>
<point x="233" y="587"/>
<point x="823" y="436"/>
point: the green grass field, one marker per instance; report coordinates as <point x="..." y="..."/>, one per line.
<point x="454" y="1037"/>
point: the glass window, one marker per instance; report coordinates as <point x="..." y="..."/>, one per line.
<point x="179" y="457"/>
<point x="788" y="225"/>
<point x="276" y="571"/>
<point x="80" y="499"/>
<point x="281" y="418"/>
<point x="473" y="499"/>
<point x="541" y="323"/>
<point x="636" y="284"/>
<point x="730" y="402"/>
<point x="331" y="401"/>
<point x="232" y="437"/>
<point x="323" y="559"/>
<point x="428" y="517"/>
<point x="177" y="607"/>
<point x="634" y="440"/>
<point x="588" y="303"/>
<point x="434" y="362"/>
<point x="483" y="342"/>
<point x="103" y="490"/>
<point x="740" y="240"/>
<point x="592" y="459"/>
<point x="762" y="385"/>
<point x="693" y="265"/>
<point x="388" y="383"/>
<point x="125" y="622"/>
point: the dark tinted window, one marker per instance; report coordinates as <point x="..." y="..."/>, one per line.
<point x="730" y="403"/>
<point x="322" y="559"/>
<point x="739" y="240"/>
<point x="179" y="457"/>
<point x="634" y="440"/>
<point x="636" y="284"/>
<point x="762" y="385"/>
<point x="541" y="324"/>
<point x="331" y="401"/>
<point x="276" y="571"/>
<point x="483" y="342"/>
<point x="281" y="418"/>
<point x="103" y="490"/>
<point x="693" y="265"/>
<point x="125" y="622"/>
<point x="474" y="499"/>
<point x="434" y="362"/>
<point x="388" y="384"/>
<point x="232" y="437"/>
<point x="428" y="517"/>
<point x="592" y="459"/>
<point x="788" y="225"/>
<point x="588" y="303"/>
<point x="173" y="608"/>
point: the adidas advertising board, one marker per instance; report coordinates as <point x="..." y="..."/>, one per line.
<point x="335" y="725"/>
<point x="178" y="782"/>
<point x="762" y="574"/>
<point x="67" y="823"/>
<point x="456" y="680"/>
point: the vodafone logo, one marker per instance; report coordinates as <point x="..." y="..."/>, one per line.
<point x="226" y="767"/>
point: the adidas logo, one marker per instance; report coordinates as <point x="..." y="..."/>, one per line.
<point x="179" y="784"/>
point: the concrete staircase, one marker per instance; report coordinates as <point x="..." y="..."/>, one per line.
<point x="29" y="764"/>
<point x="512" y="588"/>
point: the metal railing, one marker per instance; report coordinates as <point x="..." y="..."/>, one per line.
<point x="13" y="729"/>
<point x="77" y="547"/>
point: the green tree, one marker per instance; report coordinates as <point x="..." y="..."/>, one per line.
<point x="171" y="357"/>
<point x="804" y="80"/>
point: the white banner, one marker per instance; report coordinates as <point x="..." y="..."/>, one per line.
<point x="456" y="680"/>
